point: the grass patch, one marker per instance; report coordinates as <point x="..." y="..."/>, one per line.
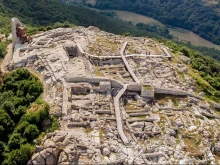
<point x="173" y="99"/>
<point x="55" y="124"/>
<point x="192" y="146"/>
<point x="98" y="73"/>
<point x="130" y="49"/>
<point x="162" y="99"/>
<point x="141" y="117"/>
<point x="88" y="130"/>
<point x="130" y="107"/>
<point x="201" y="83"/>
<point x="102" y="133"/>
<point x="3" y="48"/>
<point x="148" y="87"/>
<point x="162" y="122"/>
<point x="106" y="44"/>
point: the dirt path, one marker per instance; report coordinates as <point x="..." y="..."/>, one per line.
<point x="7" y="58"/>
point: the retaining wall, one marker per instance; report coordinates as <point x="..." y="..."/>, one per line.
<point x="94" y="80"/>
<point x="134" y="87"/>
<point x="215" y="105"/>
<point x="170" y="91"/>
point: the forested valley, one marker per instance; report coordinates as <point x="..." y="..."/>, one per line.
<point x="192" y="15"/>
<point x="57" y="14"/>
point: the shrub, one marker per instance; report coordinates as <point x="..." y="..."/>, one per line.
<point x="31" y="132"/>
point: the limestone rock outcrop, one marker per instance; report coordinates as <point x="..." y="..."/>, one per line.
<point x="56" y="148"/>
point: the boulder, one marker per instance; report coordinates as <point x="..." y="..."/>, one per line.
<point x="113" y="148"/>
<point x="38" y="148"/>
<point x="106" y="151"/>
<point x="202" y="162"/>
<point x="185" y="59"/>
<point x="49" y="144"/>
<point x="56" y="111"/>
<point x="184" y="70"/>
<point x="38" y="159"/>
<point x="59" y="137"/>
<point x="62" y="158"/>
<point x="217" y="148"/>
<point x="138" y="124"/>
<point x="50" y="160"/>
<point x="162" y="160"/>
<point x="215" y="105"/>
<point x="204" y="106"/>
<point x="44" y="153"/>
<point x="179" y="123"/>
<point x="185" y="160"/>
<point x="148" y="126"/>
<point x="50" y="134"/>
<point x="171" y="132"/>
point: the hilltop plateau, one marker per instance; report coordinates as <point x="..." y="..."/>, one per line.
<point x="120" y="99"/>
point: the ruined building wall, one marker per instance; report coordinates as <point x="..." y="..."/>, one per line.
<point x="170" y="91"/>
<point x="114" y="83"/>
<point x="14" y="23"/>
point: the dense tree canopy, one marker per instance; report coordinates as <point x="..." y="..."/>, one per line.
<point x="48" y="14"/>
<point x="18" y="128"/>
<point x="188" y="14"/>
<point x="31" y="132"/>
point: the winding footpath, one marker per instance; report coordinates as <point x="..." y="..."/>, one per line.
<point x="8" y="57"/>
<point x="118" y="114"/>
<point x="127" y="64"/>
<point x="118" y="96"/>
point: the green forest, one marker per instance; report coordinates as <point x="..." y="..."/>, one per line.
<point x="57" y="14"/>
<point x="192" y="15"/>
<point x="207" y="68"/>
<point x="22" y="114"/>
<point x="30" y="13"/>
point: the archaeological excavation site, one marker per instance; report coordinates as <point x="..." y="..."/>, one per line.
<point x="119" y="99"/>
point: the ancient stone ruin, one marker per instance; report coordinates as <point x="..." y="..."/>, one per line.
<point x="19" y="35"/>
<point x="119" y="100"/>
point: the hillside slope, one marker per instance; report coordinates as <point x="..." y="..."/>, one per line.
<point x="189" y="14"/>
<point x="49" y="12"/>
<point x="42" y="15"/>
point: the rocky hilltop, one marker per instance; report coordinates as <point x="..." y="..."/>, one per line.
<point x="119" y="100"/>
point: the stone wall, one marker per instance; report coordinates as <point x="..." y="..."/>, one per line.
<point x="14" y="23"/>
<point x="147" y="91"/>
<point x="107" y="62"/>
<point x="170" y="91"/>
<point x="81" y="89"/>
<point x="88" y="65"/>
<point x="215" y="105"/>
<point x="166" y="52"/>
<point x="196" y="96"/>
<point x="94" y="80"/>
<point x="105" y="86"/>
<point x="135" y="87"/>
